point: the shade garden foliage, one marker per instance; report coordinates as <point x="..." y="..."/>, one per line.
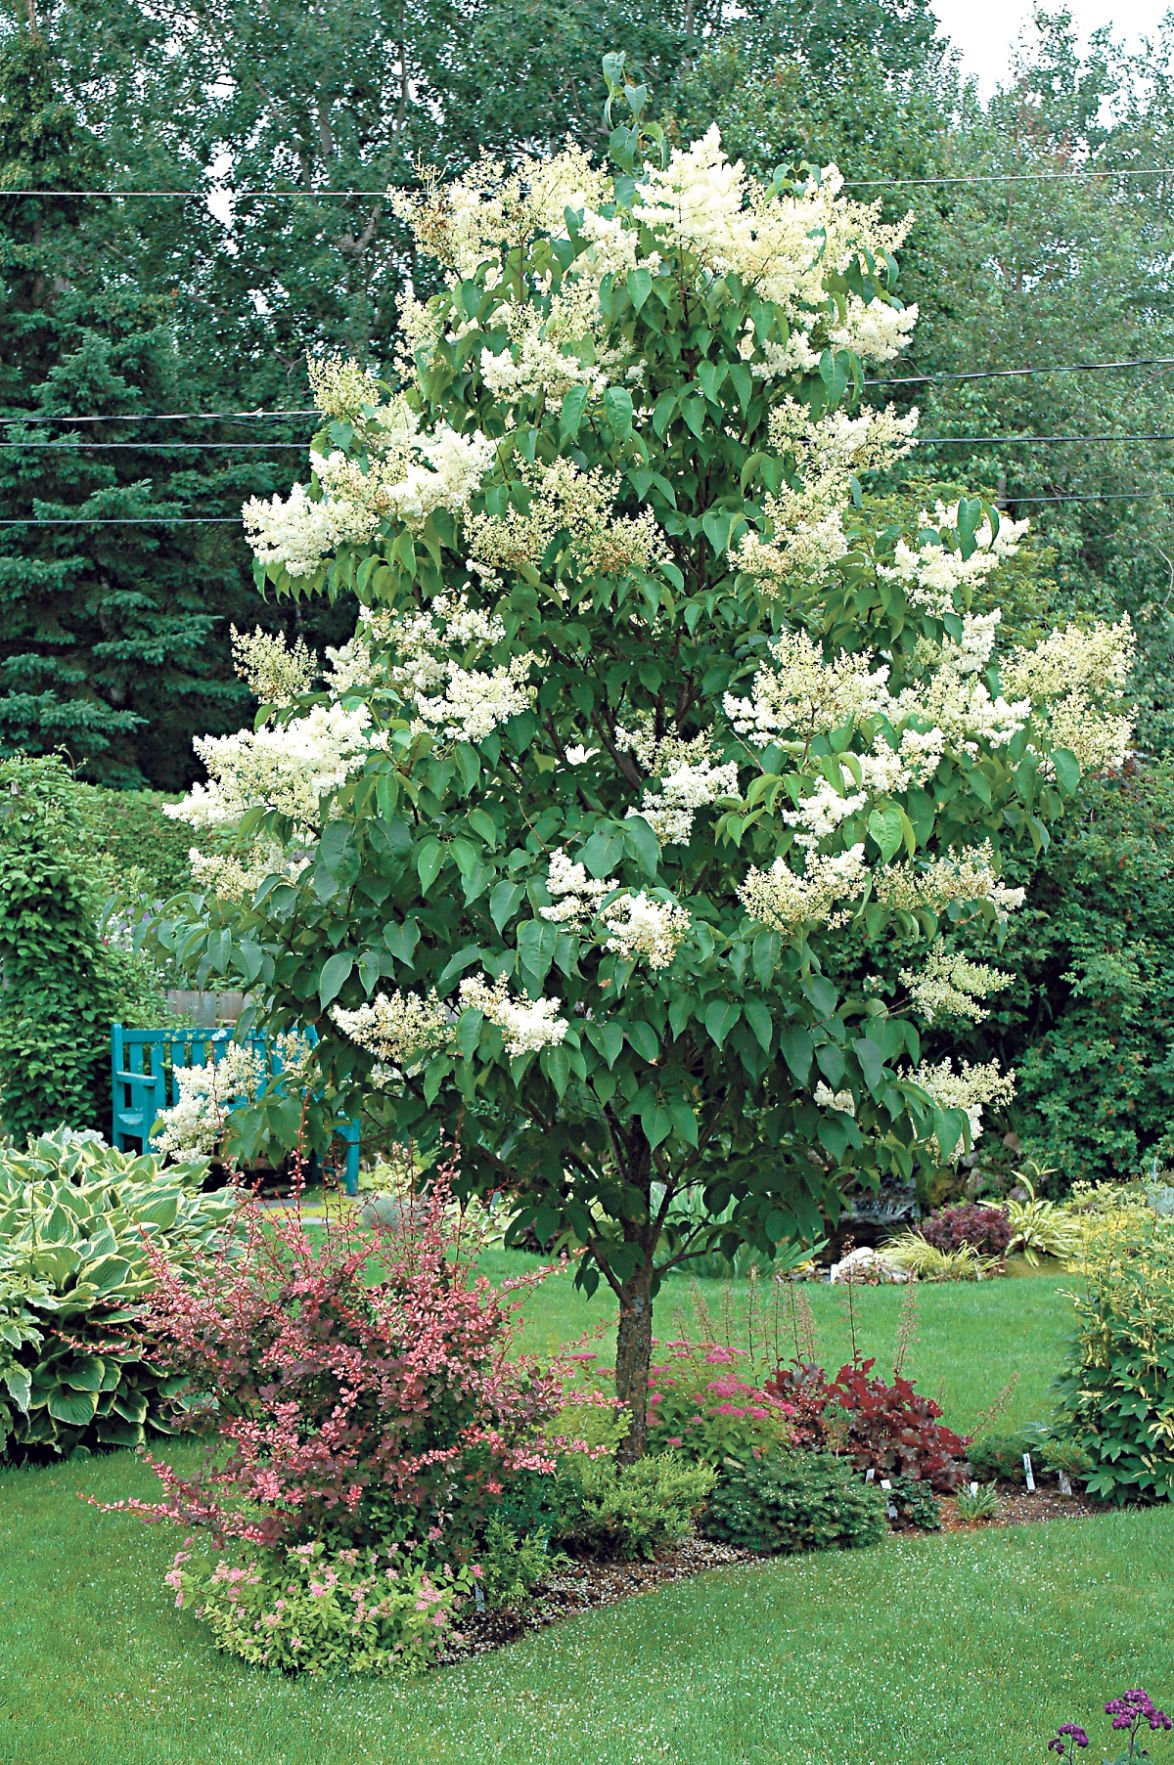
<point x="578" y="910"/>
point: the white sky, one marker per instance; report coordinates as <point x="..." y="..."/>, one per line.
<point x="985" y="31"/>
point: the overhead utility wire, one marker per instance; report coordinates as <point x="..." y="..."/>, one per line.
<point x="79" y="447"/>
<point x="206" y="192"/>
<point x="35" y="421"/>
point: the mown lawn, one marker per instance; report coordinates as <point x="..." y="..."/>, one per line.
<point x="919" y="1651"/>
<point x="972" y="1338"/>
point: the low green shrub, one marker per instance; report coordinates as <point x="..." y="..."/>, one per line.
<point x="1001" y="1455"/>
<point x="511" y="1562"/>
<point x="916" y="1503"/>
<point x="309" y="1610"/>
<point x="1116" y="1394"/>
<point x="794" y="1501"/>
<point x="76" y="1221"/>
<point x="634" y="1510"/>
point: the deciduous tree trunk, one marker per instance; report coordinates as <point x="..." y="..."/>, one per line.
<point x="634" y="1355"/>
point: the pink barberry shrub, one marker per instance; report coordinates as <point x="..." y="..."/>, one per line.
<point x="359" y="1384"/>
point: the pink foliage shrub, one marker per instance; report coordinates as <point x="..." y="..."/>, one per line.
<point x="359" y="1383"/>
<point x="699" y="1402"/>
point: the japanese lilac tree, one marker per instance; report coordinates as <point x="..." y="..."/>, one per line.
<point x="642" y="718"/>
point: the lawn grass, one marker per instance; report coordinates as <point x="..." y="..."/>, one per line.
<point x="920" y="1650"/>
<point x="915" y="1652"/>
<point x="972" y="1337"/>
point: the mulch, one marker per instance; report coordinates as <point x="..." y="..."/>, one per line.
<point x="585" y="1585"/>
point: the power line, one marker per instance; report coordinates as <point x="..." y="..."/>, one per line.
<point x="1154" y="171"/>
<point x="207" y="193"/>
<point x="1153" y="361"/>
<point x="35" y="420"/>
<point x="139" y="447"/>
<point x="71" y="447"/>
<point x="984" y="440"/>
<point x="123" y="521"/>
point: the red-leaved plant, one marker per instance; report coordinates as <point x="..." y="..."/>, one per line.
<point x="987" y="1229"/>
<point x="358" y="1382"/>
<point x="890" y="1429"/>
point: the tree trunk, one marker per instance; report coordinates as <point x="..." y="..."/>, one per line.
<point x="633" y="1357"/>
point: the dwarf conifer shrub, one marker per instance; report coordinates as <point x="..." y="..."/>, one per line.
<point x="794" y="1501"/>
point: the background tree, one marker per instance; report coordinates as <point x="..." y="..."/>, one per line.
<point x="642" y="718"/>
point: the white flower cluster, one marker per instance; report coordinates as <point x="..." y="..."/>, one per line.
<point x="784" y="899"/>
<point x="782" y="245"/>
<point x="670" y="809"/>
<point x="287" y="768"/>
<point x="954" y="697"/>
<point x="341" y="387"/>
<point x="641" y="928"/>
<point x="561" y="498"/>
<point x="528" y="1025"/>
<point x="575" y="895"/>
<point x="826" y="1098"/>
<point x="949" y="984"/>
<point x="806" y="524"/>
<point x="804" y="695"/>
<point x="1067" y="671"/>
<point x="965" y="875"/>
<point x="401" y="1028"/>
<point x="476" y="700"/>
<point x="970" y="1089"/>
<point x="637" y="925"/>
<point x="236" y="876"/>
<point x="275" y="671"/>
<point x="883" y="771"/>
<point x="933" y="571"/>
<point x="874" y="330"/>
<point x="192" y="1127"/>
<point x="408" y="474"/>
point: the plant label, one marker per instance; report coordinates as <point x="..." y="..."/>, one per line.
<point x="973" y="1487"/>
<point x="1029" y="1473"/>
<point x="869" y="1474"/>
<point x="885" y="1484"/>
<point x="1065" y="1483"/>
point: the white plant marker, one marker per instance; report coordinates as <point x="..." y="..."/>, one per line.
<point x="1029" y="1473"/>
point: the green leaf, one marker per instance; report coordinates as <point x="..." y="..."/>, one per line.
<point x="798" y="1050"/>
<point x="428" y="861"/>
<point x="719" y="1018"/>
<point x="1067" y="769"/>
<point x="608" y="1038"/>
<point x="336" y="971"/>
<point x="643" y="1039"/>
<point x="884" y="826"/>
<point x="617" y="407"/>
<point x="571" y="414"/>
<point x="759" y="1019"/>
<point x="73" y="1407"/>
<point x="639" y="286"/>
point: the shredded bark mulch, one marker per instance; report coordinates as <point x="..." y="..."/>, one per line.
<point x="582" y="1586"/>
<point x="1018" y="1508"/>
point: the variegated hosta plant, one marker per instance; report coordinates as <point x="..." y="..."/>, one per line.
<point x="76" y="1220"/>
<point x="643" y="717"/>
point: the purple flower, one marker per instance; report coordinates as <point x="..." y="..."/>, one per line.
<point x="1068" y="1731"/>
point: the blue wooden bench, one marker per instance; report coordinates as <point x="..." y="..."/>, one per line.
<point x="143" y="1067"/>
